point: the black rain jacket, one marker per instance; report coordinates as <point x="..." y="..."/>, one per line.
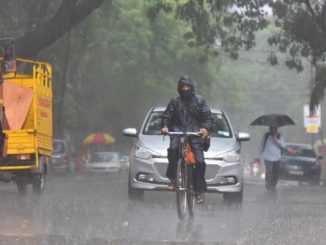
<point x="189" y="114"/>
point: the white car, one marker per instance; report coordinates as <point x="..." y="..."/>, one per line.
<point x="148" y="158"/>
<point x="103" y="162"/>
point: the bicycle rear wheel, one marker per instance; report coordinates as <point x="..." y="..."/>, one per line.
<point x="190" y="191"/>
<point x="181" y="190"/>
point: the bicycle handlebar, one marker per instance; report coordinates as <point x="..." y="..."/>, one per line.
<point x="185" y="133"/>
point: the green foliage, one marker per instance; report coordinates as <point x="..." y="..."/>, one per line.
<point x="121" y="64"/>
<point x="302" y="35"/>
<point x="233" y="23"/>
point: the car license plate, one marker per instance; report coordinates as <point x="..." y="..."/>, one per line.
<point x="295" y="172"/>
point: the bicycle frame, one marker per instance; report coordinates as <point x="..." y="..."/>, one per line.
<point x="184" y="183"/>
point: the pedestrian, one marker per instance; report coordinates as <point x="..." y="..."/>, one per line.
<point x="188" y="112"/>
<point x="270" y="150"/>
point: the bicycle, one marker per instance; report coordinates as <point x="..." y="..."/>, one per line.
<point x="185" y="194"/>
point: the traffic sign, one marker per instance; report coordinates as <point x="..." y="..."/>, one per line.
<point x="312" y="120"/>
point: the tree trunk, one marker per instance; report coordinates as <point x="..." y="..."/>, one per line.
<point x="62" y="90"/>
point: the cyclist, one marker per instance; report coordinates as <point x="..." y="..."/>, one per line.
<point x="188" y="112"/>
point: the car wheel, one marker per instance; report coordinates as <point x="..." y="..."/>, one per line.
<point x="135" y="194"/>
<point x="233" y="197"/>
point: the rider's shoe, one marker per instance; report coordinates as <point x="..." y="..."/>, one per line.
<point x="171" y="185"/>
<point x="200" y="198"/>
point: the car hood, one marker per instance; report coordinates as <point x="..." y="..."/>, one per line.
<point x="159" y="144"/>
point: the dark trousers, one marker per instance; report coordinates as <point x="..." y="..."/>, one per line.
<point x="272" y="173"/>
<point x="200" y="166"/>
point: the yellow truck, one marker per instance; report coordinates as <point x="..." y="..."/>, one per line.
<point x="27" y="123"/>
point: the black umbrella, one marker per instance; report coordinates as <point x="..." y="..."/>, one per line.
<point x="273" y="120"/>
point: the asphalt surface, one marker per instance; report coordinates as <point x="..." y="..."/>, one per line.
<point x="94" y="209"/>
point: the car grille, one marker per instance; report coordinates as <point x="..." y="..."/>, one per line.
<point x="161" y="167"/>
<point x="211" y="170"/>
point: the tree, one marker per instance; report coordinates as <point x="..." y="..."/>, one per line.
<point x="302" y="35"/>
<point x="226" y="25"/>
<point x="230" y="25"/>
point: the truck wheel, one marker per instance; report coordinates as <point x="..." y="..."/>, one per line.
<point x="38" y="183"/>
<point x="21" y="187"/>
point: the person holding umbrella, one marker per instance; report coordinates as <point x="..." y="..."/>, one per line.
<point x="270" y="149"/>
<point x="271" y="146"/>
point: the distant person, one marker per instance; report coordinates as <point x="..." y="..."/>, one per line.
<point x="270" y="150"/>
<point x="188" y="112"/>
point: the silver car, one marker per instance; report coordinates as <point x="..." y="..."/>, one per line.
<point x="62" y="157"/>
<point x="148" y="157"/>
<point x="103" y="162"/>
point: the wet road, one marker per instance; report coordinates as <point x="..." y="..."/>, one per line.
<point x="94" y="209"/>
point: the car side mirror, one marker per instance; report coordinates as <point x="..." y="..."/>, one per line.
<point x="241" y="136"/>
<point x="320" y="157"/>
<point x="131" y="132"/>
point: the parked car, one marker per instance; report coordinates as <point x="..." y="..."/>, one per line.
<point x="62" y="157"/>
<point x="103" y="162"/>
<point x="148" y="158"/>
<point x="299" y="162"/>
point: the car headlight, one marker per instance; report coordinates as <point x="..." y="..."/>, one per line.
<point x="233" y="156"/>
<point x="144" y="153"/>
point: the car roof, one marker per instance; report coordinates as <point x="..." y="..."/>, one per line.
<point x="162" y="108"/>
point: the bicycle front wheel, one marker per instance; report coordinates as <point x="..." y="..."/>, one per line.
<point x="181" y="190"/>
<point x="190" y="191"/>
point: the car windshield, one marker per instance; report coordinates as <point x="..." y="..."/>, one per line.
<point x="299" y="151"/>
<point x="104" y="157"/>
<point x="58" y="147"/>
<point x="221" y="127"/>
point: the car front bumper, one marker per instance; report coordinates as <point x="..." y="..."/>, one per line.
<point x="150" y="175"/>
<point x="299" y="173"/>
